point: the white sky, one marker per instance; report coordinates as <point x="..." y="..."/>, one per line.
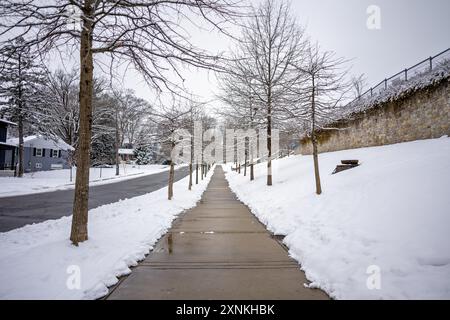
<point x="411" y="30"/>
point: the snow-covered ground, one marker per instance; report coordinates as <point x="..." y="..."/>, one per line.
<point x="387" y="220"/>
<point x="39" y="262"/>
<point x="44" y="181"/>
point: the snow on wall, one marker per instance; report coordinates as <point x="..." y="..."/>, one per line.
<point x="419" y="109"/>
<point x="401" y="88"/>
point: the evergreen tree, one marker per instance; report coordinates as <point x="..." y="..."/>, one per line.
<point x="144" y="155"/>
<point x="20" y="80"/>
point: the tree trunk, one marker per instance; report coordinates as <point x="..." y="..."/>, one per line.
<point x="20" y="124"/>
<point x="190" y="176"/>
<point x="117" y="162"/>
<point x="245" y="164"/>
<point x="171" y="178"/>
<point x="21" y="160"/>
<point x="316" y="165"/>
<point x="191" y="161"/>
<point x="79" y="232"/>
<point x="269" y="142"/>
<point x="252" y="173"/>
<point x="202" y="170"/>
<point x="314" y="141"/>
<point x="117" y="145"/>
<point x="71" y="165"/>
<point x="196" y="173"/>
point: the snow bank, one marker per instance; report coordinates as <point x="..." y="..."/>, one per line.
<point x="392" y="212"/>
<point x="37" y="260"/>
<point x="45" y="181"/>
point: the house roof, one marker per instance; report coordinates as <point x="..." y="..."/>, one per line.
<point x="8" y="122"/>
<point x="7" y="144"/>
<point x="39" y="141"/>
<point x="126" y="151"/>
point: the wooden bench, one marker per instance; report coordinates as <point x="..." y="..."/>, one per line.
<point x="345" y="165"/>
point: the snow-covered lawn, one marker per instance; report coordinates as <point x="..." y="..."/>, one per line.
<point x="392" y="212"/>
<point x="37" y="261"/>
<point x="44" y="181"/>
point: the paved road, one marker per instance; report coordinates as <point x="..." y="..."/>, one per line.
<point x="18" y="211"/>
<point x="217" y="250"/>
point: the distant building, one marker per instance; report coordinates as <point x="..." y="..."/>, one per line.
<point x="42" y="153"/>
<point x="7" y="150"/>
<point x="127" y="154"/>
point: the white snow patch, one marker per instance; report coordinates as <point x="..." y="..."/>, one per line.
<point x="393" y="212"/>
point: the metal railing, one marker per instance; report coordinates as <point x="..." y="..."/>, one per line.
<point x="406" y="75"/>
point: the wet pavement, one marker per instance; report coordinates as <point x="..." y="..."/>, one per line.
<point x="217" y="250"/>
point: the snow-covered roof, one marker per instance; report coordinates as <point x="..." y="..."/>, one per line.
<point x="126" y="151"/>
<point x="7" y="144"/>
<point x="38" y="141"/>
<point x="8" y="122"/>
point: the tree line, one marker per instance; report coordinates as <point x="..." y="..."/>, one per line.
<point x="46" y="102"/>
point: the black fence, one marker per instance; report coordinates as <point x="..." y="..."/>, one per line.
<point x="406" y="74"/>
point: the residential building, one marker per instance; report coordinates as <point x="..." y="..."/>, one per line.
<point x="7" y="150"/>
<point x="42" y="153"/>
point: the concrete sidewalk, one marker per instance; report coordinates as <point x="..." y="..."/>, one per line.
<point x="217" y="250"/>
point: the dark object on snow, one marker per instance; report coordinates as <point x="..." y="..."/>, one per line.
<point x="102" y="165"/>
<point x="354" y="162"/>
<point x="346" y="164"/>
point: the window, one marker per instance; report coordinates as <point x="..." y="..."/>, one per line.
<point x="55" y="153"/>
<point x="39" y="153"/>
<point x="38" y="165"/>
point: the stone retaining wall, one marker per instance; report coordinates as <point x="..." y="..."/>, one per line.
<point x="423" y="114"/>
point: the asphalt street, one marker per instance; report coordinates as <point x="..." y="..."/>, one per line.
<point x="18" y="211"/>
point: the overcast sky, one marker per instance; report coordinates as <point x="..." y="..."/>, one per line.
<point x="411" y="30"/>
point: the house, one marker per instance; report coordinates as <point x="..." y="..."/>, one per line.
<point x="42" y="153"/>
<point x="7" y="150"/>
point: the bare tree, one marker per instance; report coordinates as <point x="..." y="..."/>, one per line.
<point x="207" y="122"/>
<point x="359" y="84"/>
<point x="58" y="112"/>
<point x="242" y="109"/>
<point x="321" y="88"/>
<point x="272" y="43"/>
<point x="169" y="118"/>
<point x="129" y="112"/>
<point x="194" y="114"/>
<point x="146" y="33"/>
